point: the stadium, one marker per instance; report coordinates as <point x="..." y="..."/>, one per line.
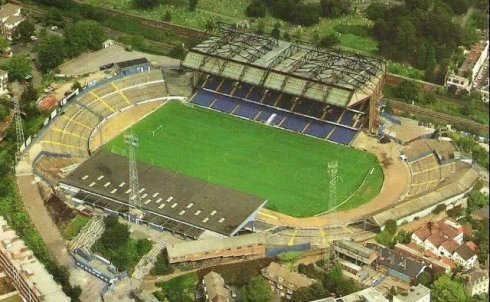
<point x="251" y="129"/>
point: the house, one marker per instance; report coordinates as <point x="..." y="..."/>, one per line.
<point x="10" y="18"/>
<point x="464" y="77"/>
<point x="396" y="265"/>
<point x="413" y="251"/>
<point x="441" y="238"/>
<point x="214" y="288"/>
<point x="417" y="293"/>
<point x="465" y="256"/>
<point x="369" y="294"/>
<point x="4" y="79"/>
<point x="283" y="281"/>
<point x="476" y="282"/>
<point x="133" y="66"/>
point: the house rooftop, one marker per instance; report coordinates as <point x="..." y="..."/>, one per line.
<point x="465" y="252"/>
<point x="414" y="294"/>
<point x="293" y="279"/>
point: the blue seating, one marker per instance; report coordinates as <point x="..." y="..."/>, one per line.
<point x="280" y="116"/>
<point x="295" y="123"/>
<point x="348" y="118"/>
<point x="334" y="114"/>
<point x="226" y="87"/>
<point x="303" y="106"/>
<point x="224" y="104"/>
<point x="318" y="129"/>
<point x="271" y="97"/>
<point x="342" y="135"/>
<point x="285" y="102"/>
<point x="265" y="114"/>
<point x="256" y="94"/>
<point x="285" y="120"/>
<point x="204" y="98"/>
<point x="247" y="110"/>
<point x="242" y="90"/>
<point x="212" y="83"/>
<point x="317" y="109"/>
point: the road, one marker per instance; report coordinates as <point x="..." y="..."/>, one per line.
<point x="467" y="16"/>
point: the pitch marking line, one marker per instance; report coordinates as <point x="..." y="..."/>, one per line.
<point x="268" y="215"/>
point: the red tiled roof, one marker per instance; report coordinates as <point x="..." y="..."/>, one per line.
<point x="422" y="233"/>
<point x="436" y="239"/>
<point x="415" y="247"/>
<point x="450" y="245"/>
<point x="430" y="254"/>
<point x="448" y="261"/>
<point x="472" y="245"/>
<point x="465" y="252"/>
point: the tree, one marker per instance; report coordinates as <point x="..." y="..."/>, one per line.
<point x="209" y="26"/>
<point x="257" y="290"/>
<point x="53" y="16"/>
<point x="29" y="94"/>
<point x="256" y="9"/>
<point x="329" y="40"/>
<point x="167" y="17"/>
<point x="425" y="278"/>
<point x="193" y="5"/>
<point x="145" y="4"/>
<point x="276" y="32"/>
<point x="408" y="91"/>
<point x="439" y="208"/>
<point x="334" y="8"/>
<point x="25" y="30"/>
<point x="447" y="290"/>
<point x="306" y="294"/>
<point x="115" y="234"/>
<point x="19" y="68"/>
<point x="4" y="112"/>
<point x="83" y="36"/>
<point x="51" y="52"/>
<point x="376" y="11"/>
<point x="390" y="226"/>
<point x="4" y="43"/>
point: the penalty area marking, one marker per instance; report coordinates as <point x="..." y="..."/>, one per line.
<point x="352" y="195"/>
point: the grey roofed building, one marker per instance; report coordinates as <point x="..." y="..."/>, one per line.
<point x="170" y="197"/>
<point x="403" y="266"/>
<point x="418" y="293"/>
<point x="369" y="294"/>
<point x="331" y="76"/>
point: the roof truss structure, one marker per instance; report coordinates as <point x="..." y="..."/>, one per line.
<point x="332" y="76"/>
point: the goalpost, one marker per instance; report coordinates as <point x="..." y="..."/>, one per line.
<point x="155" y="131"/>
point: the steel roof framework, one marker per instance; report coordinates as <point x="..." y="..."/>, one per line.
<point x="332" y="76"/>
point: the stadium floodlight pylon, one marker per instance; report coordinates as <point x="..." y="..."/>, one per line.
<point x="19" y="129"/>
<point x="132" y="143"/>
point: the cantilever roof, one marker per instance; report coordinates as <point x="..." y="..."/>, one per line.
<point x="166" y="193"/>
<point x="331" y="76"/>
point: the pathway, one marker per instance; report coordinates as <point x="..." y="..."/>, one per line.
<point x="34" y="204"/>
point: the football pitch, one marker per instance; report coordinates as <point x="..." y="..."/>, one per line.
<point x="289" y="170"/>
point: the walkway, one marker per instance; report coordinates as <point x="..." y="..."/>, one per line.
<point x="34" y="204"/>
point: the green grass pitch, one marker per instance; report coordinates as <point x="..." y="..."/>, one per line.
<point x="288" y="169"/>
